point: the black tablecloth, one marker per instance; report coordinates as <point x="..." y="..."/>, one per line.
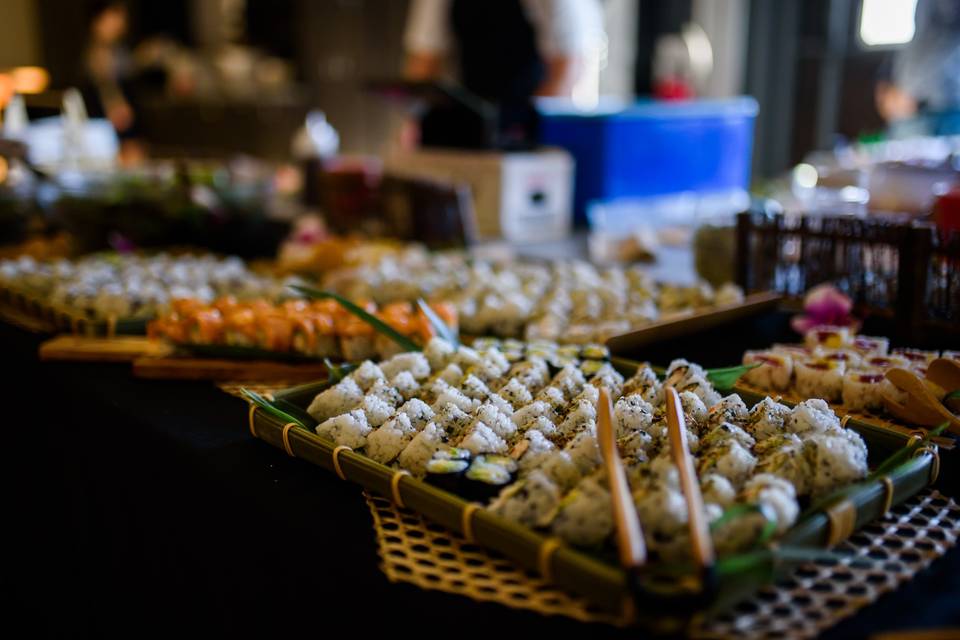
<point x="144" y="508"/>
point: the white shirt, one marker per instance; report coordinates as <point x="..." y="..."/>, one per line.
<point x="562" y="27"/>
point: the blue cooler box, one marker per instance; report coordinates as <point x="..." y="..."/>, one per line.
<point x="653" y="148"/>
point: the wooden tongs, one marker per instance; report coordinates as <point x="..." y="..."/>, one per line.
<point x="922" y="406"/>
<point x="672" y="595"/>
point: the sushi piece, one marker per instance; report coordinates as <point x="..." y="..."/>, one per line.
<point x="827" y="337"/>
<point x="917" y="357"/>
<point x="717" y="490"/>
<point x="774" y="371"/>
<point x="776" y="495"/>
<point x="812" y="417"/>
<point x="553" y="396"/>
<point x="864" y="390"/>
<point x="728" y="409"/>
<point x="420" y="450"/>
<point x="535" y="451"/>
<point x="451" y="374"/>
<point x="585" y="515"/>
<point x="501" y="424"/>
<point x="569" y="380"/>
<point x="836" y="460"/>
<point x="528" y="414"/>
<point x="729" y="459"/>
<point x="635" y="447"/>
<point x="452" y="420"/>
<point x="680" y="373"/>
<point x="515" y="393"/>
<point x="694" y="410"/>
<point x="886" y="362"/>
<point x="387" y="392"/>
<point x="357" y="339"/>
<point x="850" y="358"/>
<point x="480" y="439"/>
<point x="561" y="469"/>
<point x="766" y="419"/>
<point x="662" y="511"/>
<point x="783" y="456"/>
<point x="487" y="476"/>
<point x="405" y="384"/>
<point x="633" y="413"/>
<point x="336" y="400"/>
<point x="645" y="384"/>
<point x="820" y="379"/>
<point x="531" y="501"/>
<point x="446" y="474"/>
<point x="581" y="415"/>
<point x="418" y="411"/>
<point x="366" y="375"/>
<point x="388" y="440"/>
<point x="584" y="450"/>
<point x="414" y="362"/>
<point x="724" y="432"/>
<point x="376" y="410"/>
<point x="700" y="387"/>
<point x="474" y="388"/>
<point x="868" y="346"/>
<point x="454" y="396"/>
<point x="350" y="429"/>
<point x="439" y="353"/>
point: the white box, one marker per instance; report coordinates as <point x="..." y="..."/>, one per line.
<point x="518" y="196"/>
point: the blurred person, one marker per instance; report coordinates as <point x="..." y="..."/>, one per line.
<point x="921" y="95"/>
<point x="108" y="67"/>
<point x="506" y="52"/>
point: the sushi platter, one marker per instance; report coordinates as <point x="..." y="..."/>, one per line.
<point x="567" y="302"/>
<point x="857" y="375"/>
<point x="109" y="294"/>
<point x="501" y="445"/>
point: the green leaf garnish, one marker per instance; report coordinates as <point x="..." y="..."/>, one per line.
<point x="336" y="372"/>
<point x="375" y="322"/>
<point x="953" y="395"/>
<point x="743" y="509"/>
<point x="726" y="377"/>
<point x="269" y="408"/>
<point x="439" y="326"/>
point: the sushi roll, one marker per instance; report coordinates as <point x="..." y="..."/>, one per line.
<point x="836" y="460"/>
<point x="474" y="388"/>
<point x="414" y="362"/>
<point x="775" y="370"/>
<point x="584" y="450"/>
<point x="561" y="469"/>
<point x="553" y="396"/>
<point x="525" y="416"/>
<point x="452" y="420"/>
<point x="812" y="417"/>
<point x="205" y="326"/>
<point x="515" y="393"/>
<point x="399" y="316"/>
<point x="595" y="352"/>
<point x="644" y="383"/>
<point x="776" y="495"/>
<point x="766" y="419"/>
<point x="724" y="432"/>
<point x="569" y="380"/>
<point x="886" y="362"/>
<point x="501" y="424"/>
<point x="584" y="517"/>
<point x="795" y="351"/>
<point x="388" y="440"/>
<point x="420" y="450"/>
<point x="386" y="391"/>
<point x="700" y="387"/>
<point x="632" y="413"/>
<point x="487" y="476"/>
<point x="951" y="355"/>
<point x="451" y="374"/>
<point x="439" y="353"/>
<point x="917" y="358"/>
<point x="531" y="501"/>
<point x="376" y="410"/>
<point x="336" y="400"/>
<point x="357" y="339"/>
<point x="534" y="450"/>
<point x="446" y="474"/>
<point x="827" y="337"/>
<point x="418" y="411"/>
<point x="662" y="511"/>
<point x="680" y="373"/>
<point x="783" y="456"/>
<point x="820" y="379"/>
<point x="870" y="346"/>
<point x="717" y="490"/>
<point x="728" y="409"/>
<point x="480" y="439"/>
<point x="694" y="410"/>
<point x="454" y="396"/>
<point x="850" y="358"/>
<point x="729" y="459"/>
<point x="864" y="390"/>
<point x="582" y="414"/>
<point x="366" y="375"/>
<point x="349" y="429"/>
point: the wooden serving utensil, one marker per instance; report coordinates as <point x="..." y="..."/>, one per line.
<point x="921" y="407"/>
<point x="700" y="538"/>
<point x="630" y="543"/>
<point x="945" y="373"/>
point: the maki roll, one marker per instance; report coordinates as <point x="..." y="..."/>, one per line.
<point x="585" y="515"/>
<point x="774" y="371"/>
<point x="446" y="474"/>
<point x="595" y="352"/>
<point x="827" y="337"/>
<point x="864" y="390"/>
<point x="357" y="339"/>
<point x="870" y="346"/>
<point x="591" y="367"/>
<point x="917" y="358"/>
<point x="487" y="476"/>
<point x="886" y="362"/>
<point x="820" y="379"/>
<point x="532" y="501"/>
<point x="850" y="358"/>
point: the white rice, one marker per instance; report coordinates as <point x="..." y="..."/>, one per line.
<point x="336" y="400"/>
<point x="386" y="443"/>
<point x="417" y="454"/>
<point x="349" y="429"/>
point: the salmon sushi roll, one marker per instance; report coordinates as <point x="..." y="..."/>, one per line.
<point x="275" y="332"/>
<point x="240" y="328"/>
<point x="357" y="339"/>
<point x="205" y="326"/>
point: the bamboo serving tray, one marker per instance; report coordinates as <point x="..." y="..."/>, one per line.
<point x="672" y="327"/>
<point x="595" y="577"/>
<point x="52" y="318"/>
<point x="95" y="349"/>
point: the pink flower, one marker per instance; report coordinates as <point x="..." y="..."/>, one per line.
<point x="825" y="305"/>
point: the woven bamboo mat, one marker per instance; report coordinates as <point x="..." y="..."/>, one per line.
<point x="814" y="597"/>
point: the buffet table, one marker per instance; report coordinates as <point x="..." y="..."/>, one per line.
<point x="144" y="507"/>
